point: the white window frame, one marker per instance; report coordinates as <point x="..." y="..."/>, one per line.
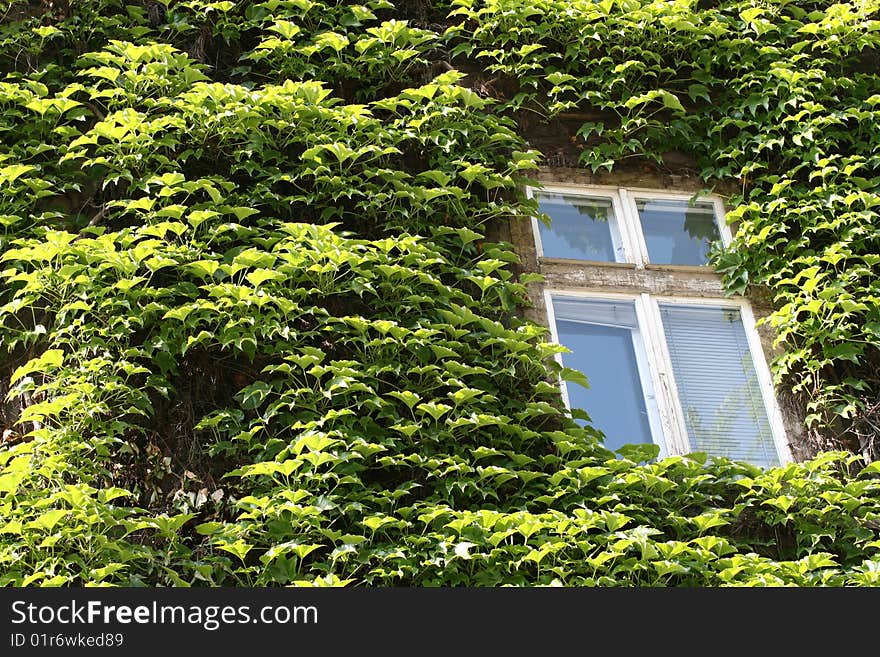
<point x="643" y="346"/>
<point x="668" y="416"/>
<point x="629" y="225"/>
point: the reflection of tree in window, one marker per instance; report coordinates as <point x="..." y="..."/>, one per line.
<point x="579" y="229"/>
<point x="721" y="438"/>
<point x="677" y="232"/>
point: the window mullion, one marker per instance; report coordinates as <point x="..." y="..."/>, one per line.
<point x="671" y="414"/>
<point x="622" y="230"/>
<point x="721" y="219"/>
<point x="654" y="402"/>
<point x="632" y="229"/>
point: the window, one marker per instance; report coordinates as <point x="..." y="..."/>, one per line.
<point x="583" y="228"/>
<point x="634" y="226"/>
<point x="684" y="372"/>
<point x="607" y="345"/>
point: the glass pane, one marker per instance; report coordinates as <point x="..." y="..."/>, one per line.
<point x="677" y="233"/>
<point x="582" y="228"/>
<point x="717" y="383"/>
<point x="603" y="337"/>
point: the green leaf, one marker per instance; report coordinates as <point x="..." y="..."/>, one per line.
<point x="639" y="452"/>
<point x="434" y="409"/>
<point x="406" y="396"/>
<point x="14" y="473"/>
<point x="569" y="374"/>
<point x="14" y="171"/>
<point x="260" y="276"/>
<point x="48" y="361"/>
<point x="783" y="502"/>
<point x="239" y="548"/>
<point x="254" y="395"/>
<point x="285" y="28"/>
<point x="299" y="549"/>
<point x="48" y="520"/>
<point x="751" y="14"/>
<point x="197" y="217"/>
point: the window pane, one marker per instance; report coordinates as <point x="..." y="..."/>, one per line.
<point x="606" y="346"/>
<point x="677" y="233"/>
<point x="717" y="383"/>
<point x="582" y="228"/>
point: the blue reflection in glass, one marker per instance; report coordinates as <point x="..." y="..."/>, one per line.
<point x="581" y="227"/>
<point x="677" y="233"/>
<point x="601" y="337"/>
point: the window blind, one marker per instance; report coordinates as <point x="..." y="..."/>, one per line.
<point x="724" y="409"/>
<point x="621" y="314"/>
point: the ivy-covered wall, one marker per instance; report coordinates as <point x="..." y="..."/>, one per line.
<point x="252" y="330"/>
<point x="658" y="280"/>
<point x="777" y="98"/>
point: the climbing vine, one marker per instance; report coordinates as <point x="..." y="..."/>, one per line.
<point x="255" y="328"/>
<point x="779" y="98"/>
